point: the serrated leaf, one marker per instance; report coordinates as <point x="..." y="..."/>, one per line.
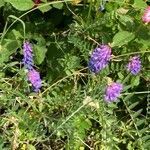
<point x="39" y="52"/>
<point x="121" y="38"/>
<point x="21" y="5"/>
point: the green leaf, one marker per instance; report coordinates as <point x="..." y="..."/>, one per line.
<point x="120" y="75"/>
<point x="140" y="121"/>
<point x="31" y="147"/>
<point x="147" y="145"/>
<point x="7" y="49"/>
<point x="39" y="52"/>
<point x="121" y="38"/>
<point x="17" y="34"/>
<point x="140" y="4"/>
<point x="127" y="21"/>
<point x="149" y="58"/>
<point x="127" y="97"/>
<point x="23" y="24"/>
<point x="135" y="81"/>
<point x="58" y="5"/>
<point x="147" y="137"/>
<point x="137" y="113"/>
<point x="21" y="5"/>
<point x="133" y="105"/>
<point x="144" y="130"/>
<point x="45" y="8"/>
<point x="1" y="3"/>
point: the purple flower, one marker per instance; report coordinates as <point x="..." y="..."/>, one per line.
<point x="34" y="78"/>
<point x="113" y="91"/>
<point x="28" y="57"/>
<point x="134" y="65"/>
<point x="99" y="58"/>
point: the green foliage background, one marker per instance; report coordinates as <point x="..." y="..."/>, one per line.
<point x="69" y="112"/>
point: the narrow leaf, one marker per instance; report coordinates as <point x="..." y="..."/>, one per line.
<point x="137" y="113"/>
<point x="133" y="105"/>
<point x="147" y="137"/>
<point x="140" y="122"/>
<point x="144" y="130"/>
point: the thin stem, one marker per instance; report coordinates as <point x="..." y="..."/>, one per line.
<point x="4" y="31"/>
<point x="68" y="118"/>
<point x="59" y="81"/>
<point x="131" y="54"/>
<point x="43" y="5"/>
<point x="143" y="92"/>
<point x="89" y="13"/>
<point x="78" y="17"/>
<point x="85" y="143"/>
<point x="138" y="133"/>
<point x="93" y="40"/>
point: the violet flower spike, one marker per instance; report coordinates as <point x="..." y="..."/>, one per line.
<point x="134" y="65"/>
<point x="34" y="78"/>
<point x="113" y="91"/>
<point x="28" y="57"/>
<point x="99" y="58"/>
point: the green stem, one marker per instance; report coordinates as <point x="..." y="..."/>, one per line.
<point x="89" y="13"/>
<point x="4" y="31"/>
<point x="67" y="119"/>
<point x="143" y="92"/>
<point x="131" y="54"/>
<point x="137" y="131"/>
<point x="43" y="5"/>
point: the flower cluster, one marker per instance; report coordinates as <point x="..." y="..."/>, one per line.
<point x="113" y="91"/>
<point x="28" y="57"/>
<point x="146" y="15"/>
<point x="33" y="75"/>
<point x="100" y="58"/>
<point x="34" y="78"/>
<point x="134" y="65"/>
